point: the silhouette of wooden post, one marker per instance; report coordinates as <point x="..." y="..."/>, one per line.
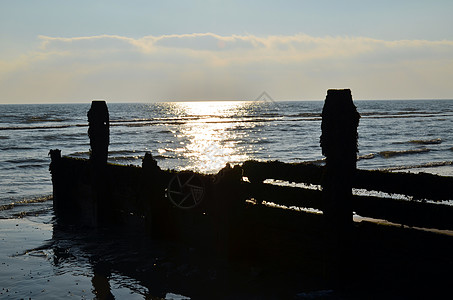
<point x="157" y="206"/>
<point x="99" y="133"/>
<point x="55" y="166"/>
<point x="340" y="120"/>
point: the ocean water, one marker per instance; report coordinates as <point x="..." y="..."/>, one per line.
<point x="203" y="136"/>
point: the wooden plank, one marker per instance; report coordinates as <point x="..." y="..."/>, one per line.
<point x="411" y="213"/>
<point x="419" y="186"/>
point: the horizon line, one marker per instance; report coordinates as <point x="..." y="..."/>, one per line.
<point x="209" y="100"/>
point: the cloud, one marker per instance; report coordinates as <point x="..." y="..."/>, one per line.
<point x="248" y="48"/>
<point x="211" y="66"/>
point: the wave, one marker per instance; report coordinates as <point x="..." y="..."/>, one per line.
<point x="425" y="165"/>
<point x="308" y="119"/>
<point x="389" y="154"/>
<point x="74" y="134"/>
<point x="319" y="162"/>
<point x="147" y="123"/>
<point x="53" y="137"/>
<point x="10" y="165"/>
<point x="119" y="152"/>
<point x="404" y="114"/>
<point x="272" y="115"/>
<point x="26" y="202"/>
<point x="306" y="115"/>
<point x="137" y="158"/>
<point x="18" y="148"/>
<point x="42" y="127"/>
<point x="33" y="207"/>
<point x="162" y="157"/>
<point x="140" y="123"/>
<point x="165" y="121"/>
<point x="261" y="141"/>
<point x="124" y="158"/>
<point x="80" y="154"/>
<point x="426" y="142"/>
<point x="27" y="161"/>
<point x="42" y="119"/>
<point x="114" y="155"/>
<point x="366" y="156"/>
<point x="31" y="166"/>
<point x="220" y="119"/>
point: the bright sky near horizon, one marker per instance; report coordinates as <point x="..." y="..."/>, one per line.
<point x="146" y="51"/>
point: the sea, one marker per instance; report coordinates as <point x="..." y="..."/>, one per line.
<point x="406" y="135"/>
<point x="400" y="136"/>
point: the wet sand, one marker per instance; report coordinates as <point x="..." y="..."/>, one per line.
<point x="26" y="267"/>
<point x="42" y="260"/>
<point x="29" y="268"/>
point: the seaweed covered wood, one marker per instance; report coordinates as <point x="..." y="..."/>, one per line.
<point x="99" y="134"/>
<point x="340" y="120"/>
<point x="257" y="171"/>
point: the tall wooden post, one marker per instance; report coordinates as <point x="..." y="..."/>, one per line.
<point x="340" y="120"/>
<point x="99" y="133"/>
<point x="54" y="168"/>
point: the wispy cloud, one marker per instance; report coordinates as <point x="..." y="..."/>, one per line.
<point x="211" y="66"/>
<point x="271" y="47"/>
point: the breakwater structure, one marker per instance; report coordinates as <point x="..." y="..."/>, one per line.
<point x="295" y="220"/>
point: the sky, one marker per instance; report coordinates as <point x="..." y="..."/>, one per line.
<point x="69" y="51"/>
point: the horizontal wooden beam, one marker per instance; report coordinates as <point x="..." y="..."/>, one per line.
<point x="420" y="186"/>
<point x="411" y="213"/>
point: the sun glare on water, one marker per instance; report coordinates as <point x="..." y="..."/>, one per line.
<point x="212" y="140"/>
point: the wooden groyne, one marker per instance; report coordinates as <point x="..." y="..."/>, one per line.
<point x="91" y="191"/>
<point x="259" y="207"/>
<point x="130" y="188"/>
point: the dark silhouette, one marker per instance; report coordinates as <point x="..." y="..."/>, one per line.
<point x="226" y="245"/>
<point x="100" y="281"/>
<point x="98" y="131"/>
<point x="340" y="120"/>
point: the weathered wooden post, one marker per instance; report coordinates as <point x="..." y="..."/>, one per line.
<point x="157" y="212"/>
<point x="54" y="168"/>
<point x="340" y="120"/>
<point x="99" y="133"/>
<point x="227" y="209"/>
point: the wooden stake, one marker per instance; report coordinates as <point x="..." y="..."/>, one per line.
<point x="340" y="120"/>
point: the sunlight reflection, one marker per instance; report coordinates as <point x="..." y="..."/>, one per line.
<point x="208" y="140"/>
